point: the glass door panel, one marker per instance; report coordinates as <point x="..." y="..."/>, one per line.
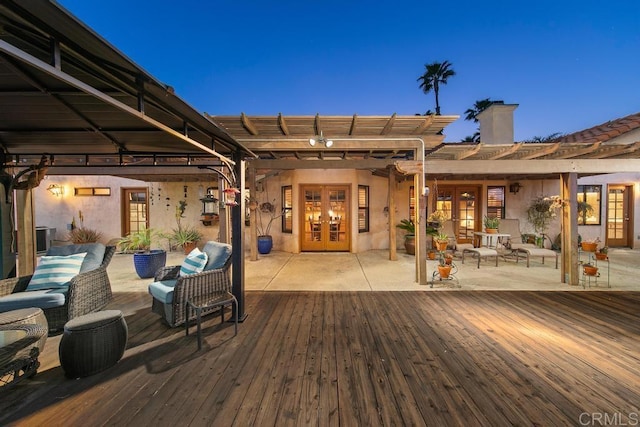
<point x="325" y="217"/>
<point x="135" y="210"/>
<point x="462" y="206"/>
<point x="618" y="216"/>
<point x="467" y="206"/>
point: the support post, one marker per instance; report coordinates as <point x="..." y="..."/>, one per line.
<point x="26" y="232"/>
<point x="569" y="229"/>
<point x="237" y="238"/>
<point x="393" y="255"/>
<point x="253" y="215"/>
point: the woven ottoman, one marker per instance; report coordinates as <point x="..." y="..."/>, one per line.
<point x="92" y="343"/>
<point x="26" y="316"/>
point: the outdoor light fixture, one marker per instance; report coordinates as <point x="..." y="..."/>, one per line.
<point x="515" y="187"/>
<point x="210" y="208"/>
<point x="56" y="190"/>
<point x="320" y="139"/>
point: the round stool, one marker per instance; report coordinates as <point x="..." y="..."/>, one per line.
<point x="26" y="316"/>
<point x="92" y="343"/>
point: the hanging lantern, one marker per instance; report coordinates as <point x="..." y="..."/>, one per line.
<point x="210" y="208"/>
<point x="230" y="196"/>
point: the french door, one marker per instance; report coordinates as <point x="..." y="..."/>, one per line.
<point x="618" y="215"/>
<point x="462" y="205"/>
<point x="135" y="210"/>
<point x="325" y="218"/>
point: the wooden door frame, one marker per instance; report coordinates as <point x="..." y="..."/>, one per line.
<point x="325" y="244"/>
<point x="628" y="197"/>
<point x="124" y="203"/>
<point x="455" y="221"/>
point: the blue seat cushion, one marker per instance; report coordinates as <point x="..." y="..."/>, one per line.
<point x="93" y="260"/>
<point x="163" y="290"/>
<point x="46" y="298"/>
<point x="218" y="254"/>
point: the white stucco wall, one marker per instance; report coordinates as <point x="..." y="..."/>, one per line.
<point x="104" y="213"/>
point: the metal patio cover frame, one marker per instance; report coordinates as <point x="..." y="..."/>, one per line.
<point x="65" y="91"/>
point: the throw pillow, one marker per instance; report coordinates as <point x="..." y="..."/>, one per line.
<point x="55" y="271"/>
<point x="193" y="263"/>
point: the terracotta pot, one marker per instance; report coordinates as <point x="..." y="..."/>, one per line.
<point x="491" y="230"/>
<point x="410" y="244"/>
<point x="589" y="246"/>
<point x="448" y="260"/>
<point x="188" y="247"/>
<point x="441" y="245"/>
<point x="431" y="255"/>
<point x="590" y="270"/>
<point x="600" y="256"/>
<point x="444" y="271"/>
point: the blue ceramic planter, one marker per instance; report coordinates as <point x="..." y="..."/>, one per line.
<point x="147" y="263"/>
<point x="265" y="243"/>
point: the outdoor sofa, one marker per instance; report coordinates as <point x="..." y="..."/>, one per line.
<point x="61" y="300"/>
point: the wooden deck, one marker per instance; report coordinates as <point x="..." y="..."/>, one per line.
<point x="369" y="358"/>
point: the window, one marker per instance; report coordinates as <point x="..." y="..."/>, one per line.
<point x="589" y="212"/>
<point x="495" y="202"/>
<point x="92" y="191"/>
<point x="287" y="209"/>
<point x="363" y="208"/>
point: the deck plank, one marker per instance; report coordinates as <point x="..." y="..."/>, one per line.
<point x="359" y="358"/>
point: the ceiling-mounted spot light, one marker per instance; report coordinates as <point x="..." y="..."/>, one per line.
<point x="320" y="139"/>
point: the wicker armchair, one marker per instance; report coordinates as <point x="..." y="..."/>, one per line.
<point x="208" y="283"/>
<point x="88" y="292"/>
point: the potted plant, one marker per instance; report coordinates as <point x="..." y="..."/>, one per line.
<point x="444" y="268"/>
<point x="410" y="236"/>
<point x="602" y="253"/>
<point x="541" y="211"/>
<point x="589" y="269"/>
<point x="441" y="240"/>
<point x="265" y="240"/>
<point x="186" y="237"/>
<point x="145" y="260"/>
<point x="491" y="224"/>
<point x="590" y="245"/>
<point x="83" y="234"/>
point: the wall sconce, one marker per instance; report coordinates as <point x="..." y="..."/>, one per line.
<point x="515" y="187"/>
<point x="320" y="139"/>
<point x="56" y="190"/>
<point x="210" y="208"/>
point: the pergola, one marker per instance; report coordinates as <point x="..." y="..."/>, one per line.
<point x="413" y="146"/>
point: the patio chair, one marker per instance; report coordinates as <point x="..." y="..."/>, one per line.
<point x="85" y="292"/>
<point x="512" y="226"/>
<point x="447" y="228"/>
<point x="172" y="289"/>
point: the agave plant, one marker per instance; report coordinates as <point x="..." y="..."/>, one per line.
<point x="84" y="235"/>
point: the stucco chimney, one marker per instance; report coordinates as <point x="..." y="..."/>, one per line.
<point x="496" y="123"/>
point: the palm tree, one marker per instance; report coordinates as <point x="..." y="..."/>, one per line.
<point x="542" y="139"/>
<point x="472" y="138"/>
<point x="478" y="107"/>
<point x="435" y="74"/>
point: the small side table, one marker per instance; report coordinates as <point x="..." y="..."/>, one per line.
<point x="209" y="302"/>
<point x="19" y="352"/>
<point x="92" y="343"/>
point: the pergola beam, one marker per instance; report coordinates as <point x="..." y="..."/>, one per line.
<point x="519" y="167"/>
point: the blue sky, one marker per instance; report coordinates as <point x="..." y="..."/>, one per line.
<point x="569" y="64"/>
